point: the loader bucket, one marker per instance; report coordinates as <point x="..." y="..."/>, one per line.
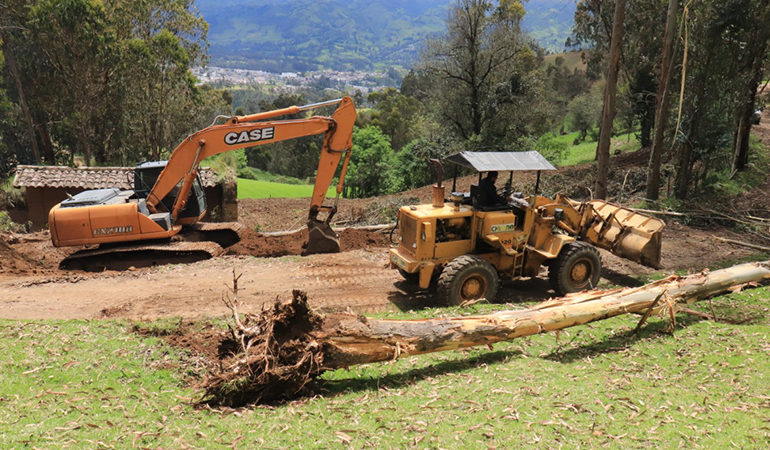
<point x="320" y="238"/>
<point x="626" y="233"/>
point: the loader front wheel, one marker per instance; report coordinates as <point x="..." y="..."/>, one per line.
<point x="577" y="268"/>
<point x="467" y="278"/>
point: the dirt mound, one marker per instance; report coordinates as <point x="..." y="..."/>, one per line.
<point x="258" y="244"/>
<point x="11" y="261"/>
<point x="262" y="245"/>
<point x="202" y="339"/>
<point x="353" y="239"/>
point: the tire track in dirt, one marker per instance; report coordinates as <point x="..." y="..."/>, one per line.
<point x="358" y="279"/>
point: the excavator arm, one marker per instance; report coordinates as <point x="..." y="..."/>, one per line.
<point x="252" y="130"/>
<point x="249" y="131"/>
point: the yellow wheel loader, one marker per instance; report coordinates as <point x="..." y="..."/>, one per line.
<point x="465" y="244"/>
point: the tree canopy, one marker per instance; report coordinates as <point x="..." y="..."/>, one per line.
<point x="108" y="80"/>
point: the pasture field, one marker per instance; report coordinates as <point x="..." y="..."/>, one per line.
<point x="585" y="152"/>
<point x="267" y="189"/>
<point x="97" y="383"/>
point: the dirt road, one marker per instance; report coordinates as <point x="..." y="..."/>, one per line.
<point x="194" y="290"/>
<point x="357" y="279"/>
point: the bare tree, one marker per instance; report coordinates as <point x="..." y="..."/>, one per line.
<point x="661" y="110"/>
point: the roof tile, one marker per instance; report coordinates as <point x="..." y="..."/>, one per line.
<point x="87" y="177"/>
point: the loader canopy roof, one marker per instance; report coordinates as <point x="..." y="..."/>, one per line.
<point x="501" y="161"/>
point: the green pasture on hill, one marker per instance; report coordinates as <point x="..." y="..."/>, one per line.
<point x="95" y="383"/>
<point x="267" y="189"/>
<point x="586" y="151"/>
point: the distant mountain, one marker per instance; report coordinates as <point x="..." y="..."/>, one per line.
<point x="303" y="35"/>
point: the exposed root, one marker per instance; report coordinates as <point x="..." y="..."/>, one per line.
<point x="278" y="359"/>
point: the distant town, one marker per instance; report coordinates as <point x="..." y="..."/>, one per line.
<point x="347" y="81"/>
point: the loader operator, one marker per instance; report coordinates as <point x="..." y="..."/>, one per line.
<point x="488" y="191"/>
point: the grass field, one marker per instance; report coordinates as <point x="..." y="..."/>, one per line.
<point x="266" y="189"/>
<point x="97" y="384"/>
<point x="586" y="151"/>
<point x="572" y="60"/>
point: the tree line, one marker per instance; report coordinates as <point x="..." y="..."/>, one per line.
<point x="101" y="81"/>
<point x="686" y="76"/>
<point x="694" y="70"/>
<point x="109" y="82"/>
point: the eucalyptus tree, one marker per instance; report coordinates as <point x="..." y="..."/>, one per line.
<point x="483" y="72"/>
<point x="106" y="79"/>
<point x="160" y="41"/>
<point x="640" y="50"/>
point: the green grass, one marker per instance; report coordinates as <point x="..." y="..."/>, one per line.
<point x="572" y="60"/>
<point x="253" y="173"/>
<point x="265" y="189"/>
<point x="95" y="383"/>
<point x="722" y="185"/>
<point x="586" y="151"/>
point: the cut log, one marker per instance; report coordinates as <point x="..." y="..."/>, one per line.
<point x="742" y="244"/>
<point x="289" y="345"/>
<point x="381" y="227"/>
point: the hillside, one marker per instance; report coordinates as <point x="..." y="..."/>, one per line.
<point x="299" y="35"/>
<point x="549" y="22"/>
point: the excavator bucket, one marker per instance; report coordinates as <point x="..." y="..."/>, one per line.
<point x="321" y="238"/>
<point x="625" y="232"/>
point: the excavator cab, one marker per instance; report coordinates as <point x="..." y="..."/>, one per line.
<point x="145" y="176"/>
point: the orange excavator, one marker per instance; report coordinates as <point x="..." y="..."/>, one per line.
<point x="159" y="220"/>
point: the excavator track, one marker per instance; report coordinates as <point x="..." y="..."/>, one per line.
<point x="142" y="255"/>
<point x="196" y="242"/>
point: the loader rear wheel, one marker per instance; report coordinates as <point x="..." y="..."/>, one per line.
<point x="577" y="268"/>
<point x="467" y="278"/>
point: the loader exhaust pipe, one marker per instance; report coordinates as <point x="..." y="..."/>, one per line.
<point x="438" y="188"/>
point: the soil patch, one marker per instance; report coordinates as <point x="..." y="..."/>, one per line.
<point x="257" y="244"/>
<point x="261" y="245"/>
<point x="205" y="344"/>
<point x="13" y="262"/>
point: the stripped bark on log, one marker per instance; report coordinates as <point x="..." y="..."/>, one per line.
<point x="381" y="227"/>
<point x="289" y="345"/>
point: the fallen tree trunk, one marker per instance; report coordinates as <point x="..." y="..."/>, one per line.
<point x="381" y="227"/>
<point x="742" y="244"/>
<point x="286" y="347"/>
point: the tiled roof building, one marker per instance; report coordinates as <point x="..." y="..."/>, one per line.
<point x="45" y="186"/>
<point x="87" y="177"/>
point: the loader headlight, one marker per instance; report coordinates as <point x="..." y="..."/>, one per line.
<point x="422" y="236"/>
